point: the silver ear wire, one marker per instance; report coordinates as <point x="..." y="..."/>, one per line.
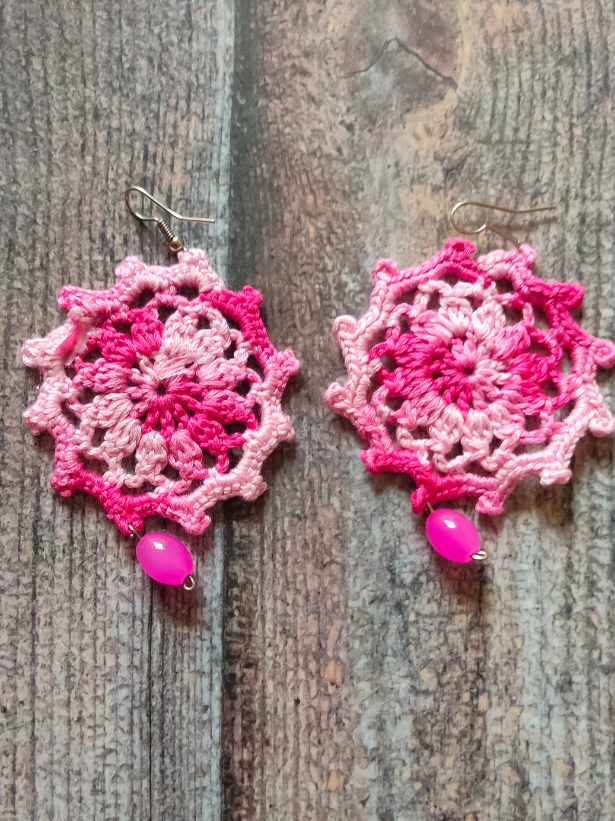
<point x="174" y="241"/>
<point x="487" y="226"/>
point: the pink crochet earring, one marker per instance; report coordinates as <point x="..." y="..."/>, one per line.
<point x="163" y="396"/>
<point x="470" y="374"/>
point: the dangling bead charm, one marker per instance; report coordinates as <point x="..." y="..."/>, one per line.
<point x="165" y="559"/>
<point x="453" y="535"/>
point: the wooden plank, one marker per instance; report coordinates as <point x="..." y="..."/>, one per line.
<point x="364" y="679"/>
<point x="110" y="689"/>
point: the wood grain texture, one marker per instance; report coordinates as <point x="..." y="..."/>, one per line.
<point x="364" y="679"/>
<point x="110" y="688"/>
<point x="359" y="678"/>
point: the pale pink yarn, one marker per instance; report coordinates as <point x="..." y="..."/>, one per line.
<point x="470" y="374"/>
<point x="162" y="393"/>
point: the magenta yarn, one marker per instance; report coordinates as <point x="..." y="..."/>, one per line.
<point x="162" y="393"/>
<point x="470" y="374"/>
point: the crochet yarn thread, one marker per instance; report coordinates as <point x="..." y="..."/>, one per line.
<point x="470" y="375"/>
<point x="162" y="393"/>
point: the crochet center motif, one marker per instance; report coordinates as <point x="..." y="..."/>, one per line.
<point x="162" y="393"/>
<point x="470" y="375"/>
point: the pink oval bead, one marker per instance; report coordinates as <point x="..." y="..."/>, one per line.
<point x="452" y="535"/>
<point x="164" y="558"/>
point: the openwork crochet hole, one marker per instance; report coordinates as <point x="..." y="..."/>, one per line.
<point x="85" y="396"/>
<point x="92" y="355"/>
<point x="532" y="423"/>
<point x="243" y="388"/>
<point x="407" y="298"/>
<point x="454" y="451"/>
<point x="395" y="402"/>
<point x="94" y="466"/>
<point x="254" y="367"/>
<point x="188" y="291"/>
<point x="98" y="437"/>
<point x="540" y="319"/>
<point x="166" y="311"/>
<point x="154" y="389"/>
<point x="470" y="374"/>
<point x="68" y="414"/>
<point x="564" y="411"/>
<point x="144" y="297"/>
<point x="512" y="315"/>
<point x="235" y="427"/>
<point x="171" y="473"/>
<point x="234" y="458"/>
<point x="504" y="286"/>
<point x="122" y="328"/>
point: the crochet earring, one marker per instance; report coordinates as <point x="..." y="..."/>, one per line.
<point x="468" y="375"/>
<point x="163" y="396"/>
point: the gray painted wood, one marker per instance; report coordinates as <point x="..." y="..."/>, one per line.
<point x="329" y="666"/>
<point x="110" y="689"/>
<point x="363" y="678"/>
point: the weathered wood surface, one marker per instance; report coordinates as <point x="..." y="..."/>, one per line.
<point x="110" y="688"/>
<point x="359" y="678"/>
<point x="363" y="679"/>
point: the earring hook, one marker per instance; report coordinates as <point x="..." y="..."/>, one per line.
<point x="174" y="241"/>
<point x="487" y="226"/>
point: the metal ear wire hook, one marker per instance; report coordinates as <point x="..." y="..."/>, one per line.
<point x="174" y="241"/>
<point x="487" y="226"/>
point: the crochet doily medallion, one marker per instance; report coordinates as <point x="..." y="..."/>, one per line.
<point x="470" y="375"/>
<point x="162" y="393"/>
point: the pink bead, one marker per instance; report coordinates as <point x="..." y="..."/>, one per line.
<point x="452" y="535"/>
<point x="164" y="558"/>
